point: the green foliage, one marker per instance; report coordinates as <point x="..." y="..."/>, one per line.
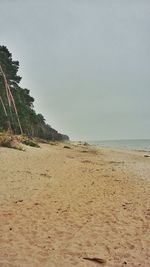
<point x="9" y="66"/>
<point x="33" y="124"/>
<point x="30" y="142"/>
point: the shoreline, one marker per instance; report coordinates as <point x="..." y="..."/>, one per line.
<point x="130" y="144"/>
<point x="59" y="205"/>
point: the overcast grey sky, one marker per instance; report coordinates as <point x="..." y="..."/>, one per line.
<point x="86" y="62"/>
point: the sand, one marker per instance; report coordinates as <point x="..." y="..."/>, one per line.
<point x="59" y="205"/>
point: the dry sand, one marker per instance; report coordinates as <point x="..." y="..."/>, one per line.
<point x="59" y="205"/>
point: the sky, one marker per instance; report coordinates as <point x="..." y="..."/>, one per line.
<point x="86" y="63"/>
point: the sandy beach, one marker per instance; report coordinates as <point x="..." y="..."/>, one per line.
<point x="60" y="205"/>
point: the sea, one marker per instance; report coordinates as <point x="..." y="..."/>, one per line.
<point x="135" y="144"/>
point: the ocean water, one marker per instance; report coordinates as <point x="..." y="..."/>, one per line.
<point x="143" y="144"/>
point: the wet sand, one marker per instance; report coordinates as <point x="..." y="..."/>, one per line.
<point x="59" y="205"/>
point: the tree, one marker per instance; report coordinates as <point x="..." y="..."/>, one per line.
<point x="21" y="114"/>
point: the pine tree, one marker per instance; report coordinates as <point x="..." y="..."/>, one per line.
<point x="19" y="116"/>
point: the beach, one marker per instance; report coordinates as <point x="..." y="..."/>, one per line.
<point x="61" y="203"/>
